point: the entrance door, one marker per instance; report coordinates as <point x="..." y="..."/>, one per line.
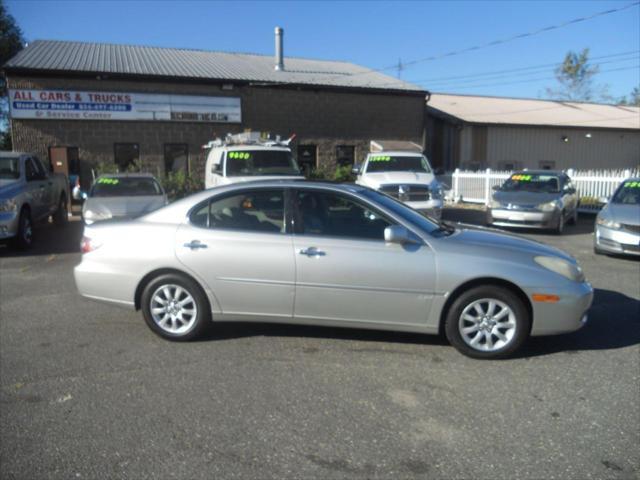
<point x="346" y="272"/>
<point x="307" y="158"/>
<point x="176" y="158"/>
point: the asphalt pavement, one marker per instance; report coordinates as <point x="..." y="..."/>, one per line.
<point x="88" y="391"/>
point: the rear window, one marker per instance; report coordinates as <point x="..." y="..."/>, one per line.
<point x="9" y="168"/>
<point x="125" y="187"/>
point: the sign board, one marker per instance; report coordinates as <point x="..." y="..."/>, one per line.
<point x="75" y="105"/>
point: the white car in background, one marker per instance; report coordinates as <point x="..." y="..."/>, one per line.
<point x="406" y="176"/>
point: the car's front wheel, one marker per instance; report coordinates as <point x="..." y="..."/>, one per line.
<point x="175" y="307"/>
<point x="487" y="322"/>
<point x="24" y="238"/>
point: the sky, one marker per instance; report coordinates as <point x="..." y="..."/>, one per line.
<point x="373" y="34"/>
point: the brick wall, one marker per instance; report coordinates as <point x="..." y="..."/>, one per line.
<point x="323" y="118"/>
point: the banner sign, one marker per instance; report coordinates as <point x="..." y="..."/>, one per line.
<point x="74" y="105"/>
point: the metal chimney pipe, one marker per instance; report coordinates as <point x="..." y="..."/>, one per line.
<point x="279" y="49"/>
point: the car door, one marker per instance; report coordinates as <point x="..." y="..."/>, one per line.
<point x="345" y="272"/>
<point x="35" y="190"/>
<point x="239" y="245"/>
<point x="49" y="204"/>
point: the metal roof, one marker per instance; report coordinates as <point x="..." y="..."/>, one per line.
<point x="516" y="111"/>
<point x="81" y="57"/>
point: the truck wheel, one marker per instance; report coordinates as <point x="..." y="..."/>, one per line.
<point x="61" y="216"/>
<point x="24" y="238"/>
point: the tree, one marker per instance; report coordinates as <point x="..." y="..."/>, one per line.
<point x="575" y="76"/>
<point x="11" y="42"/>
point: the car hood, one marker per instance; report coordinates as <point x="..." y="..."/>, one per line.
<point x="620" y="213"/>
<point x="124" y="206"/>
<point x="250" y="178"/>
<point x="525" y="198"/>
<point x="8" y="187"/>
<point x="469" y="236"/>
<point x="383" y="178"/>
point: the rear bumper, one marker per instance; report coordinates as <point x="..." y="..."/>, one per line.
<point x="567" y="315"/>
<point x="616" y="241"/>
<point x="522" y="218"/>
<point x="99" y="281"/>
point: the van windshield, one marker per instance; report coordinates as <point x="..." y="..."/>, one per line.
<point x="248" y="163"/>
<point x="9" y="168"/>
<point x="390" y="163"/>
<point x="532" y="182"/>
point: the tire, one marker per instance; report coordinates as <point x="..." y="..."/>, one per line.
<point x="61" y="217"/>
<point x="574" y="217"/>
<point x="483" y="342"/>
<point x="560" y="227"/>
<point x="24" y="239"/>
<point x="176" y="322"/>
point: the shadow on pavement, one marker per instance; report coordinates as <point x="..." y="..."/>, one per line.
<point x="476" y="216"/>
<point x="49" y="239"/>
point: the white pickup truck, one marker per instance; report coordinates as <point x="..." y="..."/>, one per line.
<point x="406" y="176"/>
<point x="244" y="157"/>
<point x="29" y="194"/>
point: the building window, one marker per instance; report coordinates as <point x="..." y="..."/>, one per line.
<point x="345" y="155"/>
<point x="176" y="158"/>
<point x="126" y="155"/>
<point x="547" y="164"/>
<point x="307" y="158"/>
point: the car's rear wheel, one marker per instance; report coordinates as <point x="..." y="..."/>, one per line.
<point x="24" y="239"/>
<point x="487" y="322"/>
<point x="559" y="228"/>
<point x="574" y="217"/>
<point x="175" y="307"/>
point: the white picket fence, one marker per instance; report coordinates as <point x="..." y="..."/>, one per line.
<point x="592" y="185"/>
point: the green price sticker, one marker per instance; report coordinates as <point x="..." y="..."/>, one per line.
<point x="380" y="158"/>
<point x="108" y="181"/>
<point x="521" y="178"/>
<point x="632" y="184"/>
<point x="240" y="155"/>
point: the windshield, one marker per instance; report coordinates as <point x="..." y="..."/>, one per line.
<point x="400" y="209"/>
<point x="9" y="168"/>
<point x="532" y="182"/>
<point x="247" y="163"/>
<point x="628" y="193"/>
<point x="387" y="163"/>
<point x="125" y="187"/>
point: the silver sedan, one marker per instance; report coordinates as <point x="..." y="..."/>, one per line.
<point x="617" y="227"/>
<point x="335" y="255"/>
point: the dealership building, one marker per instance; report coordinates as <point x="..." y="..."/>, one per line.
<point x="81" y="104"/>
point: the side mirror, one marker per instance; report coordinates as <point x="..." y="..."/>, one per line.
<point x="78" y="194"/>
<point x="356" y="170"/>
<point x="217" y="168"/>
<point x="399" y="234"/>
<point x="495" y="187"/>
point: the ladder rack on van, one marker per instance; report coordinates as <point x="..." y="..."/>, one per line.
<point x="249" y="138"/>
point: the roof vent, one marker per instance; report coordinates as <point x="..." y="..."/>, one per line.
<point x="279" y="49"/>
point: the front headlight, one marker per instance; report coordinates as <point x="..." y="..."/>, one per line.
<point x="549" y="206"/>
<point x="605" y="222"/>
<point x="568" y="270"/>
<point x="8" y="205"/>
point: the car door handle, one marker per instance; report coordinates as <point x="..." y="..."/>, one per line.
<point x="195" y="244"/>
<point x="311" y="252"/>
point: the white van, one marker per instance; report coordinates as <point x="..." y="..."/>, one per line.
<point x="245" y="157"/>
<point x="406" y="176"/>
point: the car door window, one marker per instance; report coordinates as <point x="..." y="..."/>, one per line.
<point x="257" y="211"/>
<point x="41" y="172"/>
<point x="334" y="215"/>
<point x="31" y="173"/>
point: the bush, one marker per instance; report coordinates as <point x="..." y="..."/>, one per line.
<point x="337" y="174"/>
<point x="179" y="185"/>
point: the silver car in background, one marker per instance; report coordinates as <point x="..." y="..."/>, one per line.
<point x="336" y="255"/>
<point x="617" y="227"/>
<point x="122" y="196"/>
<point x="535" y="199"/>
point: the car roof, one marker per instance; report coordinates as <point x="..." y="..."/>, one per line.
<point x="398" y="153"/>
<point x="540" y="171"/>
<point x="252" y="146"/>
<point x="6" y="154"/>
<point x="127" y="175"/>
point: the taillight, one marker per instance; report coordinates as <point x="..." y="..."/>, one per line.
<point x="88" y="245"/>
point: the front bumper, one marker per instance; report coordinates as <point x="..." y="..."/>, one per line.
<point x="567" y="315"/>
<point x="502" y="217"/>
<point x="616" y="241"/>
<point x="8" y="225"/>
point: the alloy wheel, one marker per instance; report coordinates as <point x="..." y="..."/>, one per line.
<point x="173" y="308"/>
<point x="487" y="324"/>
